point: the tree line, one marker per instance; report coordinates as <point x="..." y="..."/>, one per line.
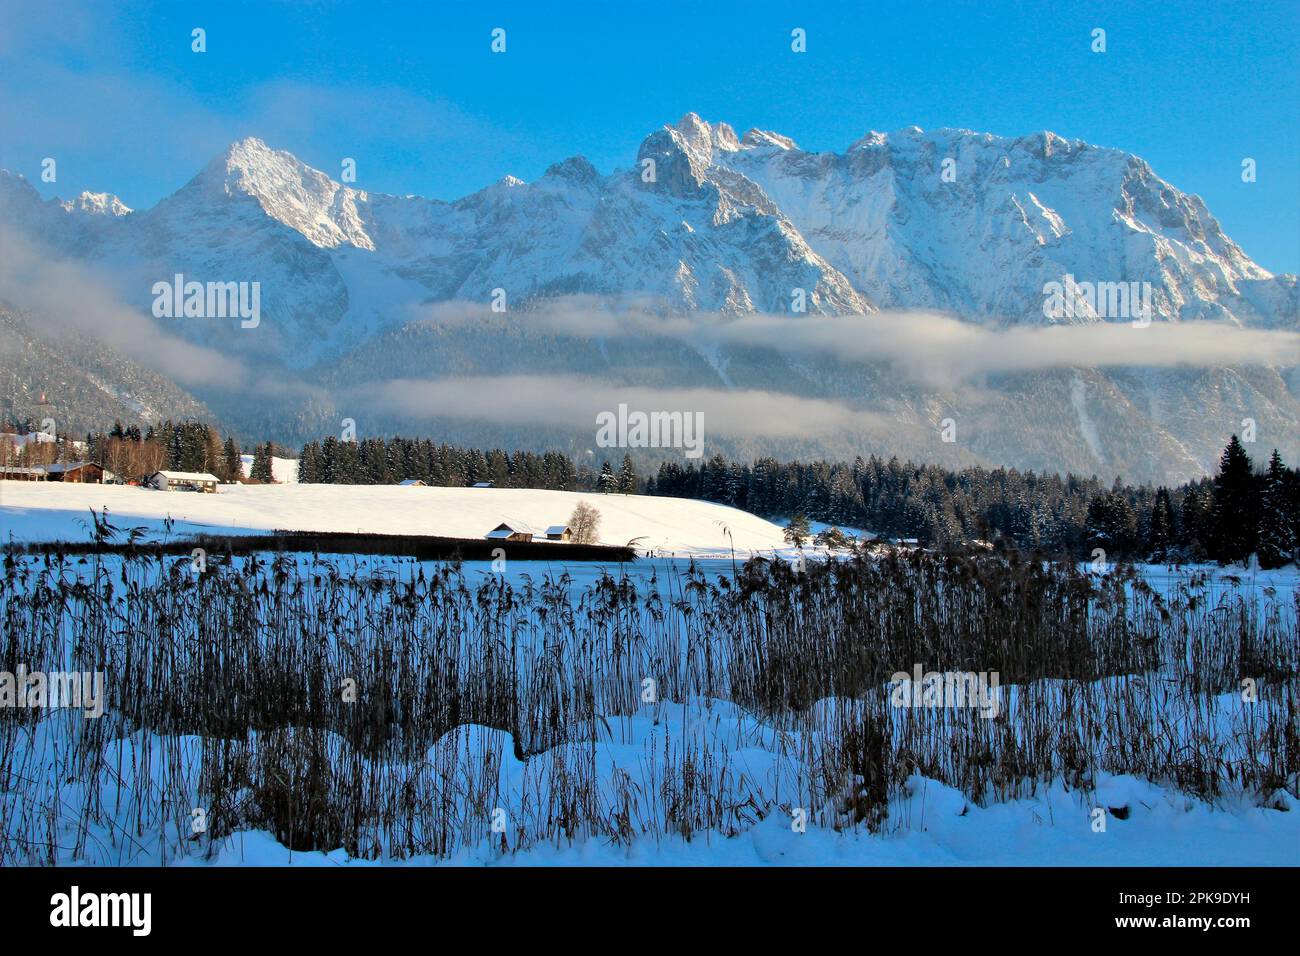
<point x="381" y="461"/>
<point x="132" y="455"/>
<point x="1226" y="518"/>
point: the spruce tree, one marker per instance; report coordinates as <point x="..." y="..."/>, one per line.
<point x="261" y="469"/>
<point x="1276" y="540"/>
<point x="347" y="466"/>
<point x="1160" y="536"/>
<point x="1236" y="506"/>
<point x="1112" y="525"/>
<point x="329" y="457"/>
<point x="627" y="477"/>
<point x="476" y="467"/>
<point x="607" y="482"/>
<point x="309" y="464"/>
<point x="797" y="531"/>
<point x="234" y="464"/>
<point x="1195" y="524"/>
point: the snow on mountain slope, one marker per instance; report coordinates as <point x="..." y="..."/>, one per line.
<point x="289" y="191"/>
<point x="88" y="385"/>
<point x="1017" y="214"/>
<point x="728" y="224"/>
<point x="336" y="263"/>
<point x="96" y="204"/>
<point x="48" y="512"/>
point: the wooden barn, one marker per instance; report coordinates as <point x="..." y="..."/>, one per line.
<point x="15" y="473"/>
<point x="510" y="531"/>
<point x="76" y="472"/>
<point x="73" y="472"/>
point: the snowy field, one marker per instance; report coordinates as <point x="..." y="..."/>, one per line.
<point x="933" y="824"/>
<point x="936" y="826"/>
<point x="32" y="511"/>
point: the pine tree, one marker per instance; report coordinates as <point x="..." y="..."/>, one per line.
<point x="1160" y="535"/>
<point x="627" y="477"/>
<point x="309" y="464"/>
<point x="1195" y="522"/>
<point x="1111" y="523"/>
<point x="261" y="468"/>
<point x="834" y="539"/>
<point x="797" y="531"/>
<point x="1291" y="489"/>
<point x="1236" y="506"/>
<point x="234" y="463"/>
<point x="475" y="467"/>
<point x="1276" y="540"/>
<point x="329" y="457"/>
<point x="607" y="482"/>
<point x="347" y="465"/>
<point x="713" y="479"/>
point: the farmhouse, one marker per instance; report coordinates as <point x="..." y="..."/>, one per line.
<point x="412" y="483"/>
<point x="182" y="481"/>
<point x="559" y="532"/>
<point x="78" y="472"/>
<point x="510" y="531"/>
<point x="481" y="484"/>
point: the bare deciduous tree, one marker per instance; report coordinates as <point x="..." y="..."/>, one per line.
<point x="584" y="523"/>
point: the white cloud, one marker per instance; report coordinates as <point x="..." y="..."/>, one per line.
<point x="71" y="298"/>
<point x="573" y="402"/>
<point x="935" y="350"/>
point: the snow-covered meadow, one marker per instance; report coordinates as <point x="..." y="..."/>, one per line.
<point x="32" y="511"/>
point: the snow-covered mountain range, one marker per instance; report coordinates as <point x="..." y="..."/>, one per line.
<point x="704" y="220"/>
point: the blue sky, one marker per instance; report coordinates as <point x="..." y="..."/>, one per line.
<point x="414" y="94"/>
